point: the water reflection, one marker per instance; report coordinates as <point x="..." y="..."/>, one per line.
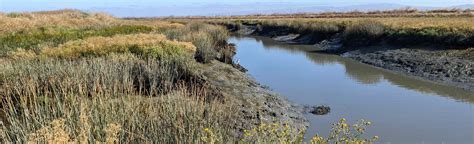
<point x="370" y="75"/>
<point x="404" y="109"/>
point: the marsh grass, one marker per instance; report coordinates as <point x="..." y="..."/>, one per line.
<point x="362" y="31"/>
<point x="15" y="22"/>
<point x="36" y="30"/>
<point x="105" y="83"/>
<point x="54" y="36"/>
<point x="73" y="77"/>
<point x="68" y="76"/>
<point x="148" y="99"/>
<point x="210" y="40"/>
<point x="156" y="45"/>
<point x="396" y="13"/>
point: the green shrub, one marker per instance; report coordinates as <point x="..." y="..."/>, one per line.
<point x="14" y="15"/>
<point x="205" y="51"/>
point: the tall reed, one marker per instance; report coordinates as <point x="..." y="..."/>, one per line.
<point x="147" y="99"/>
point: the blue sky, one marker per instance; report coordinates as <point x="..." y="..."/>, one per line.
<point x="86" y="3"/>
<point x="173" y="6"/>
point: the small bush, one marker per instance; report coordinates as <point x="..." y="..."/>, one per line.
<point x="217" y="35"/>
<point x="205" y="52"/>
<point x="208" y="39"/>
<point x="341" y="132"/>
<point x="14" y="15"/>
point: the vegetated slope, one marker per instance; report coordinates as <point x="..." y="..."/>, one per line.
<point x="69" y="76"/>
<point x="456" y="31"/>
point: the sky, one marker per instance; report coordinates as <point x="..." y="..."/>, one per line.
<point x="192" y="7"/>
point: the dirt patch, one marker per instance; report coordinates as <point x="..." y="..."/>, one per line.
<point x="286" y="38"/>
<point x="257" y="103"/>
<point x="467" y="54"/>
<point x="451" y="67"/>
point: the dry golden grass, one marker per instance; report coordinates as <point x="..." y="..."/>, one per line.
<point x="395" y="22"/>
<point x="99" y="46"/>
<point x="14" y="22"/>
<point x="57" y="131"/>
<point x="19" y="54"/>
<point x="54" y="133"/>
<point x="465" y="23"/>
<point x="404" y="12"/>
<point x="447" y="31"/>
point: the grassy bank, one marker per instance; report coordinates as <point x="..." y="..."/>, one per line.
<point x="141" y="100"/>
<point x="69" y="76"/>
<point x="451" y="31"/>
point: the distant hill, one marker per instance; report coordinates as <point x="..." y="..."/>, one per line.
<point x="466" y="6"/>
<point x="251" y="8"/>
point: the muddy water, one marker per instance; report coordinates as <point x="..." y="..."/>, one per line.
<point x="402" y="109"/>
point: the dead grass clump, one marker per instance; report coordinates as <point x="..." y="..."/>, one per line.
<point x="20" y="54"/>
<point x="54" y="133"/>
